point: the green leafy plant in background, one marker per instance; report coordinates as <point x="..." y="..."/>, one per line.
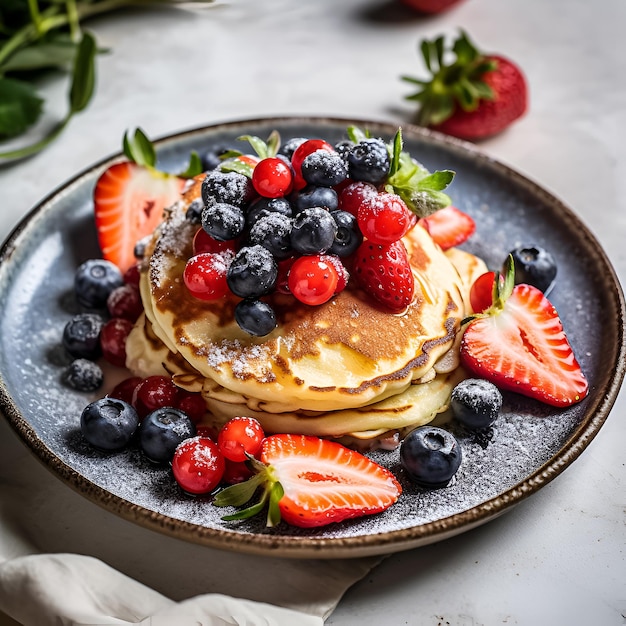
<point x="42" y="35"/>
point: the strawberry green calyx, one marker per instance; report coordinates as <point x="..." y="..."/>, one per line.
<point x="263" y="148"/>
<point x="241" y="493"/>
<point x="421" y="191"/>
<point x="503" y="285"/>
<point x="459" y="83"/>
<point x="140" y="150"/>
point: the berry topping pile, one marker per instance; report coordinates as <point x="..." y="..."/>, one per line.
<point x="294" y="220"/>
<point x="304" y="220"/>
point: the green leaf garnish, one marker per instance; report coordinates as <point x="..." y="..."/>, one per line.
<point x="194" y="167"/>
<point x="20" y="107"/>
<point x="84" y="74"/>
<point x="139" y="149"/>
<point x="235" y="165"/>
<point x="263" y="149"/>
<point x="420" y="190"/>
<point x="39" y="35"/>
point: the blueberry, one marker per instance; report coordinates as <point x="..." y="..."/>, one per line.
<point x="255" y="317"/>
<point x="348" y="237"/>
<point x="108" y="423"/>
<point x="141" y="247"/>
<point x="228" y="187"/>
<point x="314" y="196"/>
<point x="369" y="161"/>
<point x="313" y="231"/>
<point x="534" y="266"/>
<point x="223" y="221"/>
<point x="211" y="158"/>
<point x="343" y="148"/>
<point x="252" y="272"/>
<point x="81" y="336"/>
<point x="273" y="231"/>
<point x="324" y="168"/>
<point x="263" y="206"/>
<point x="83" y="375"/>
<point x="194" y="211"/>
<point x="290" y="146"/>
<point x="430" y="456"/>
<point x="94" y="280"/>
<point x="476" y="403"/>
<point x="161" y="432"/>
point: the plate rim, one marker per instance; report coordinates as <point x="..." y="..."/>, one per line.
<point x="330" y="547"/>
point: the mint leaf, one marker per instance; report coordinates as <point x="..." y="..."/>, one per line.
<point x="139" y="149"/>
<point x="20" y="107"/>
<point x="263" y="149"/>
<point x="235" y="165"/>
<point x="436" y="181"/>
<point x="194" y="168"/>
<point x="420" y="190"/>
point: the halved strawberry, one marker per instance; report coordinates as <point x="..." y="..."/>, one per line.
<point x="449" y="227"/>
<point x="384" y="271"/>
<point x="312" y="482"/>
<point x="519" y="344"/>
<point x="130" y="196"/>
<point x="129" y="200"/>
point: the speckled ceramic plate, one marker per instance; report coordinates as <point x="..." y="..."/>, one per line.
<point x="531" y="443"/>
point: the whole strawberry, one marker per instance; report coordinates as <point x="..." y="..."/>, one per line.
<point x="472" y="95"/>
<point x="430" y="6"/>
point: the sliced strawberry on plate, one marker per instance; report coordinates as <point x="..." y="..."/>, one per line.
<point x="384" y="271"/>
<point x="449" y="227"/>
<point x="312" y="482"/>
<point x="129" y="199"/>
<point x="519" y="344"/>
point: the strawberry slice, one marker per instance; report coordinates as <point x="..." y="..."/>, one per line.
<point x="130" y="197"/>
<point x="312" y="482"/>
<point x="519" y="344"/>
<point x="384" y="271"/>
<point x="129" y="200"/>
<point x="449" y="227"/>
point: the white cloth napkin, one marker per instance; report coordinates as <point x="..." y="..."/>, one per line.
<point x="64" y="560"/>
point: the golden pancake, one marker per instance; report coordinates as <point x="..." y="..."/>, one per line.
<point x="416" y="404"/>
<point x="346" y="353"/>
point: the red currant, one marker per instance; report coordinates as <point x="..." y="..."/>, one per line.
<point x="354" y="194"/>
<point x="481" y="292"/>
<point x="192" y="404"/>
<point x="384" y="218"/>
<point x="343" y="275"/>
<point x="272" y="178"/>
<point x="236" y="472"/>
<point x="302" y="152"/>
<point x="124" y="390"/>
<point x="154" y="392"/>
<point x="113" y="340"/>
<point x="240" y="435"/>
<point x="312" y="280"/>
<point x="125" y="301"/>
<point x="131" y="275"/>
<point x="282" y="282"/>
<point x="198" y="465"/>
<point x="203" y="242"/>
<point x="205" y="275"/>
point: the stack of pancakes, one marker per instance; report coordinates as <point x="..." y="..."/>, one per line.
<point x="346" y="369"/>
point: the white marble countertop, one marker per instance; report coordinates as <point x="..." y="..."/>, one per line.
<point x="559" y="556"/>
